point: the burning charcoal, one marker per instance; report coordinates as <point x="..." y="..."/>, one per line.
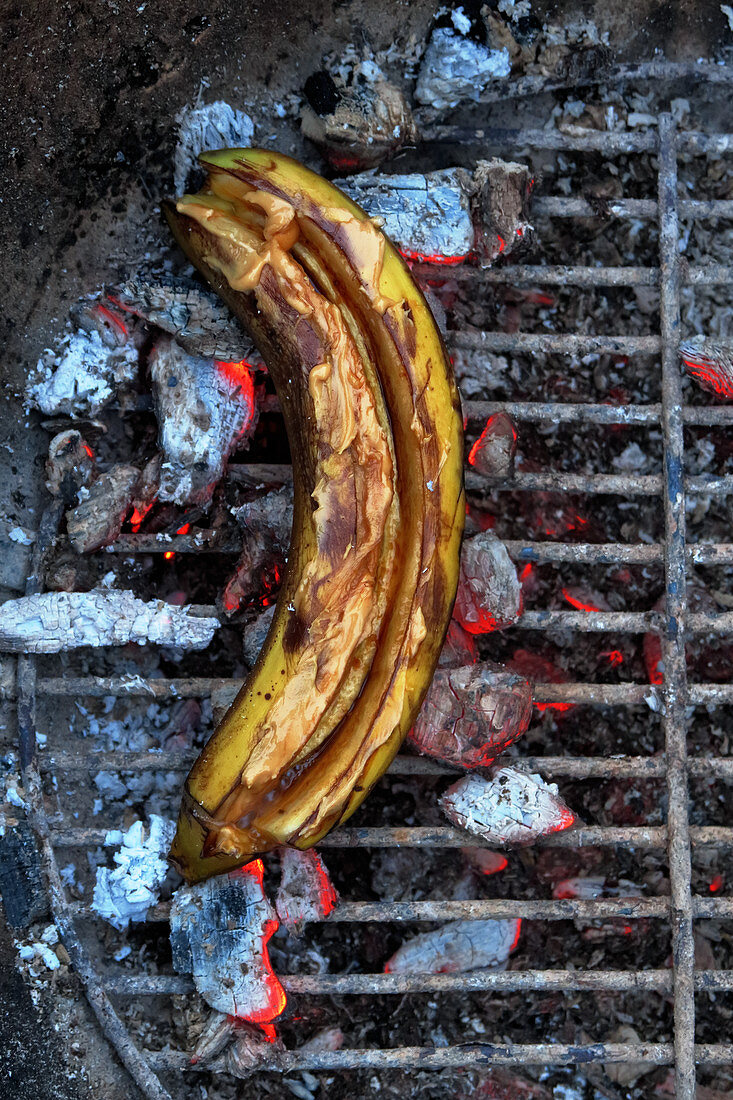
<point x="146" y="491"/>
<point x="511" y="808"/>
<point x="259" y="569"/>
<point x="356" y="127"/>
<point x="456" y="947"/>
<point x="272" y="513"/>
<point x="428" y="217"/>
<point x="484" y="861"/>
<point x="489" y="593"/>
<point x="213" y="126"/>
<point x="493" y="452"/>
<point x="205" y="409"/>
<point x="196" y="317"/>
<point x="330" y="1038"/>
<point x="305" y="893"/>
<point x="710" y="363"/>
<point x="56" y="621"/>
<point x="98" y="520"/>
<point x="585" y="599"/>
<point x="126" y="893"/>
<point x="471" y="714"/>
<point x="503" y="1085"/>
<point x="80" y="377"/>
<point x="501" y="206"/>
<point x="69" y="466"/>
<point x="459" y="647"/>
<point x="255" y="634"/>
<point x="95" y="317"/>
<point x="219" y="933"/>
<point x="455" y="67"/>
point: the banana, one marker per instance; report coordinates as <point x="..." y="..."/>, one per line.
<point x="374" y="423"/>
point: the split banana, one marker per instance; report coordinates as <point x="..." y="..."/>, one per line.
<point x="374" y="423"/>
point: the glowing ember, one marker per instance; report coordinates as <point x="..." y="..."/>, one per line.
<point x="716" y="884"/>
<point x="169" y="554"/>
<point x="653" y="662"/>
<point x="432" y="258"/>
<point x="114" y="319"/>
<point x="615" y="656"/>
<point x="184" y="530"/>
<point x="493" y="452"/>
<point x="306" y="892"/>
<point x="239" y="375"/>
<point x="710" y="363"/>
<point x="489" y="594"/>
<point x="539" y="670"/>
<point x="511" y="808"/>
<point x="577" y="599"/>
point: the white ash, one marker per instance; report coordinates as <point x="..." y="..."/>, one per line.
<point x="20" y="536"/>
<point x="457" y="947"/>
<point x="306" y="892"/>
<point x="98" y="519"/>
<point x="512" y="808"/>
<point x="424" y="215"/>
<point x="255" y="633"/>
<point x="471" y="714"/>
<point x="204" y="412"/>
<point x="196" y="317"/>
<point x="204" y="127"/>
<point x="329" y="1038"/>
<point x="489" y="594"/>
<point x="41" y="949"/>
<point x="455" y="68"/>
<point x="480" y="374"/>
<point x="631" y="460"/>
<point x="55" y="621"/>
<point x="126" y="892"/>
<point x="219" y="933"/>
<point x="81" y="376"/>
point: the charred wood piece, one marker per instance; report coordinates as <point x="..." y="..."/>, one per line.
<point x="358" y="126"/>
<point x="501" y="207"/>
<point x="306" y="892"/>
<point x="146" y="491"/>
<point x="266" y="524"/>
<point x="489" y="594"/>
<point x="219" y="933"/>
<point x="456" y="947"/>
<point x="510" y="809"/>
<point x="471" y="714"/>
<point x="196" y="317"/>
<point x="98" y="519"/>
<point x="205" y="409"/>
<point x="69" y="466"/>
<point x="52" y="622"/>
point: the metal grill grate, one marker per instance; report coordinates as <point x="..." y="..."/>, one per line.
<point x="674" y="696"/>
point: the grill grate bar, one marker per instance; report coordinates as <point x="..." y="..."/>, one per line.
<point x="576" y="767"/>
<point x="124" y="984"/>
<point x="359" y="912"/>
<point x="472" y="1055"/>
<point x="674" y="719"/>
<point x="569" y="343"/>
<point x="567" y="275"/>
<point x="201" y="687"/>
<point x="605" y="553"/>
<point x="581" y="141"/>
<point x="439" y="836"/>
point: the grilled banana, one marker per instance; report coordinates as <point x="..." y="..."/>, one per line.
<point x="374" y="425"/>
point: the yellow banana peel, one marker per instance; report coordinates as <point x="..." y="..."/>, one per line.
<point x="374" y="423"/>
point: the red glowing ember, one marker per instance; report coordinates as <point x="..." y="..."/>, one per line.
<point x="539" y="670"/>
<point x="489" y="594"/>
<point x="493" y="452"/>
<point x="432" y="258"/>
<point x="583" y="599"/>
<point x="306" y="892"/>
<point x="113" y="319"/>
<point x="716" y="884"/>
<point x="710" y="363"/>
<point x="615" y="656"/>
<point x="169" y="554"/>
<point x="240" y="375"/>
<point x="276" y="997"/>
<point x="653" y="662"/>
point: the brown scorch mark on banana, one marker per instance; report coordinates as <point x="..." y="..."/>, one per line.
<point x="374" y="423"/>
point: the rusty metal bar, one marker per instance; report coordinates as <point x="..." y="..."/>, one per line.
<point x="439" y="836"/>
<point x="466" y="1055"/>
<point x="566" y="343"/>
<point x="571" y="767"/>
<point x="561" y="207"/>
<point x="674" y="720"/>
<point x="579" y="140"/>
<point x="124" y="984"/>
<point x="563" y="275"/>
